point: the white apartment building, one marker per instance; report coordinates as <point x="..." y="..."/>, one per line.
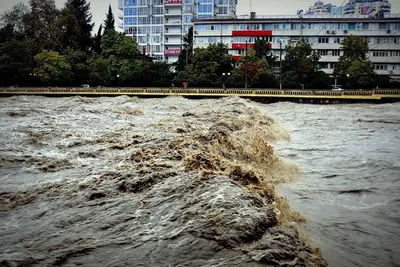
<point x="323" y="32"/>
<point x="159" y="25"/>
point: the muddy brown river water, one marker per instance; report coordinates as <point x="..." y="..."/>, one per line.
<point x="176" y="182"/>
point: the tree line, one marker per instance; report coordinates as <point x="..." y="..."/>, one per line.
<point x="41" y="45"/>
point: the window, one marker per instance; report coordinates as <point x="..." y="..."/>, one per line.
<point x="380" y="54"/>
<point x="336" y="40"/>
<point x="335" y="53"/>
<point x="130" y="2"/>
<point x="157" y="29"/>
<point x="204" y="8"/>
<point x="144" y="30"/>
<point x="130" y="30"/>
<point x="130" y="12"/>
<point x="158" y="10"/>
<point x="144" y="11"/>
<point x="130" y="21"/>
<point x="187" y="18"/>
<point x="222" y="10"/>
<point x="395" y="53"/>
<point x="382" y="26"/>
<point x="380" y="67"/>
<point x="143" y="39"/>
<point x="323" y="65"/>
<point x="323" y="40"/>
<point x="322" y="52"/>
<point x="365" y="26"/>
<point x="158" y="2"/>
<point x="157" y="20"/>
<point x="143" y="2"/>
<point x="156" y="39"/>
<point x="351" y="26"/>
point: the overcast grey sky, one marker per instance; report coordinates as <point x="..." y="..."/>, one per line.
<point x="263" y="7"/>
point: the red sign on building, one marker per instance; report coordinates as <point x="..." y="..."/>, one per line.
<point x="172" y="52"/>
<point x="173" y="2"/>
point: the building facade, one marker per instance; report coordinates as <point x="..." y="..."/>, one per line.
<point x="324" y="33"/>
<point x="371" y="8"/>
<point x="158" y="25"/>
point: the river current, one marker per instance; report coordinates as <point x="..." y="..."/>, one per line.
<point x="350" y="191"/>
<point x="349" y="156"/>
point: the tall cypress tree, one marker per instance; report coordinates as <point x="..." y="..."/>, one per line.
<point x="77" y="18"/>
<point x="97" y="40"/>
<point x="109" y="23"/>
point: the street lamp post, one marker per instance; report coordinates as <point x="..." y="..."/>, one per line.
<point x="225" y="74"/>
<point x="280" y="63"/>
<point x="245" y="68"/>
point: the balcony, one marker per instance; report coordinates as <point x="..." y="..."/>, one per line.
<point x="173" y="33"/>
<point x="173" y="14"/>
<point x="121" y="4"/>
<point x="173" y="23"/>
<point x="173" y="42"/>
<point x="120" y="25"/>
<point x="120" y="16"/>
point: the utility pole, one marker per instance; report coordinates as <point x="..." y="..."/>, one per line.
<point x="245" y="68"/>
<point x="280" y="63"/>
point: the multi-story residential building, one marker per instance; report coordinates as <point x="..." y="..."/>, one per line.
<point x="319" y="8"/>
<point x="323" y="32"/>
<point x="372" y="8"/>
<point x="158" y="25"/>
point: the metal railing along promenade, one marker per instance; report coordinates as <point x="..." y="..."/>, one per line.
<point x="377" y="94"/>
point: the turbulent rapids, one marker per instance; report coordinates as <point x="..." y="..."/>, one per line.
<point x="128" y="182"/>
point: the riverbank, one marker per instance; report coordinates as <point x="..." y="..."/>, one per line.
<point x="261" y="95"/>
<point x="147" y="182"/>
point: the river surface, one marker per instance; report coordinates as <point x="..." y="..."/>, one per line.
<point x="349" y="156"/>
<point x="350" y="191"/>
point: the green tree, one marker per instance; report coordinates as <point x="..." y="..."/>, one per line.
<point x="155" y="74"/>
<point x="100" y="71"/>
<point x="353" y="67"/>
<point x="117" y="44"/>
<point x="320" y="80"/>
<point x="251" y="67"/>
<point x="52" y="68"/>
<point x="262" y="49"/>
<point x="76" y="22"/>
<point x="301" y="59"/>
<point x="13" y="21"/>
<point x="361" y="74"/>
<point x="208" y="64"/>
<point x="97" y="40"/>
<point x="185" y="57"/>
<point x="109" y="23"/>
<point x="16" y="63"/>
<point x="78" y="60"/>
<point x="355" y="47"/>
<point x="116" y="65"/>
<point x="42" y="25"/>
